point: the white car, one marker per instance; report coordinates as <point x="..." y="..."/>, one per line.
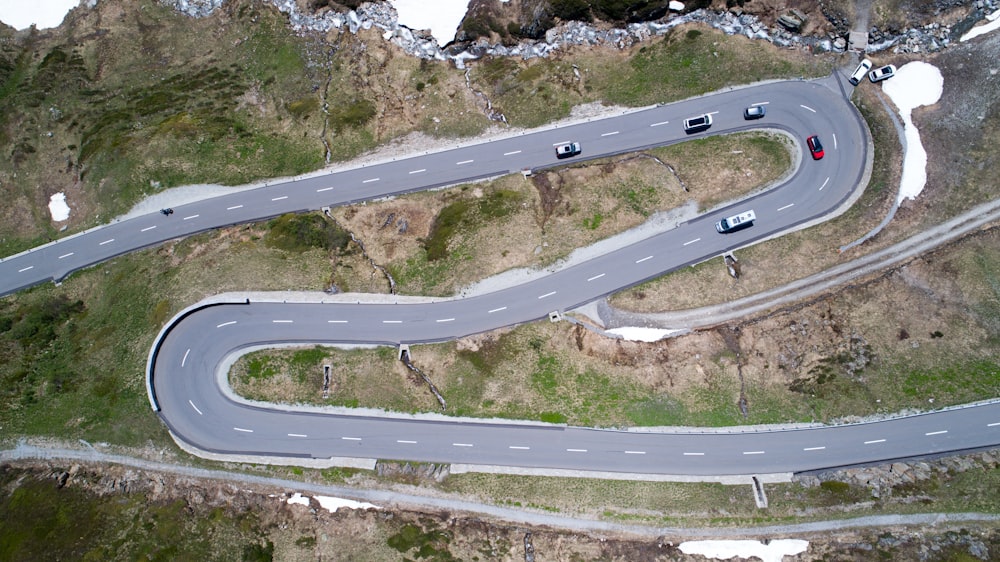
<point x="567" y="150"/>
<point x="736" y="222"/>
<point x="884" y="73"/>
<point x="860" y="71"/>
<point x="696" y="124"/>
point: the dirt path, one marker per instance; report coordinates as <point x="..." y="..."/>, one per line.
<point x="825" y="281"/>
<point x="413" y="502"/>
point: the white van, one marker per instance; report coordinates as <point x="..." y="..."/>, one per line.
<point x="736" y="222"/>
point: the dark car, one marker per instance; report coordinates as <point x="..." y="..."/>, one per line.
<point x="567" y="150"/>
<point x="754" y="112"/>
<point x="815" y="147"/>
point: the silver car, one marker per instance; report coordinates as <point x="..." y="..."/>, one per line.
<point x="884" y="73"/>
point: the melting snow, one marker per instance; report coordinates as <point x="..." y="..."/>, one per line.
<point x="642" y="334"/>
<point x="915" y="84"/>
<point x="299" y="499"/>
<point x="774" y="551"/>
<point x="58" y="207"/>
<point x="442" y="19"/>
<point x="43" y="13"/>
<point x="331" y="504"/>
<point x="994" y="24"/>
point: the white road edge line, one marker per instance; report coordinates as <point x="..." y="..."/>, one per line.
<point x="185" y="358"/>
<point x="874" y="441"/>
<point x="230" y="323"/>
<point x="195" y="408"/>
<point x="243" y="430"/>
<point x="596" y="277"/>
<point x="644" y="259"/>
<point x="937" y="432"/>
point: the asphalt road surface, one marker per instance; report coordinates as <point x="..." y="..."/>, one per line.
<point x="185" y="380"/>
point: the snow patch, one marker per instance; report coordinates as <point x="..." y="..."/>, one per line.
<point x="443" y="19"/>
<point x="43" y="14"/>
<point x="332" y="504"/>
<point x="299" y="499"/>
<point x="58" y="207"/>
<point x="773" y="551"/>
<point x="642" y="334"/>
<point x="915" y="84"/>
<point x="994" y="25"/>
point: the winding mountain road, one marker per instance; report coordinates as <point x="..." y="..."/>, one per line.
<point x="187" y="365"/>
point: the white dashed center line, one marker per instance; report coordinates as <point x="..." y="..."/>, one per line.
<point x="518" y="447"/>
<point x="445" y="320"/>
<point x="297" y="435"/>
<point x="753" y="452"/>
<point x="191" y="217"/>
<point x="351" y="438"/>
<point x="937" y="432"/>
<point x="692" y="241"/>
<point x="694" y="454"/>
<point x="660" y="123"/>
<point x="807" y="107"/>
<point x="392" y="321"/>
<point x="323" y="189"/>
<point x="824" y="184"/>
<point x="336" y="321"/>
<point x="195" y="408"/>
<point x="371" y="180"/>
<point x="234" y="207"/>
<point x="874" y="441"/>
<point x="511" y="153"/>
<point x="464" y="162"/>
<point x="405" y="441"/>
<point x="107" y="242"/>
<point x="496" y="310"/>
<point x="547" y="295"/>
<point x="835" y="141"/>
<point x="596" y="277"/>
<point x="635" y="452"/>
<point x="609" y="134"/>
<point x="185" y="358"/>
<point x="644" y="259"/>
<point x="279" y="198"/>
<point x="23" y="269"/>
<point x="282" y="321"/>
<point x="243" y="430"/>
<point x="994" y="424"/>
<point x="66" y="255"/>
<point x="788" y="206"/>
<point x="814" y="448"/>
<point x="461" y="444"/>
<point x="148" y="228"/>
<point x="230" y="323"/>
<point x="418" y="171"/>
<point x="576" y="450"/>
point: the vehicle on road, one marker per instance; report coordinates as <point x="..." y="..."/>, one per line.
<point x="754" y="112"/>
<point x="815" y="147"/>
<point x="567" y="150"/>
<point x="696" y="124"/>
<point x="883" y="73"/>
<point x="736" y="222"/>
<point x="860" y="71"/>
<point x="167" y="212"/>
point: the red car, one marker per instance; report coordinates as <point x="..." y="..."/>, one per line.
<point x="815" y="147"/>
